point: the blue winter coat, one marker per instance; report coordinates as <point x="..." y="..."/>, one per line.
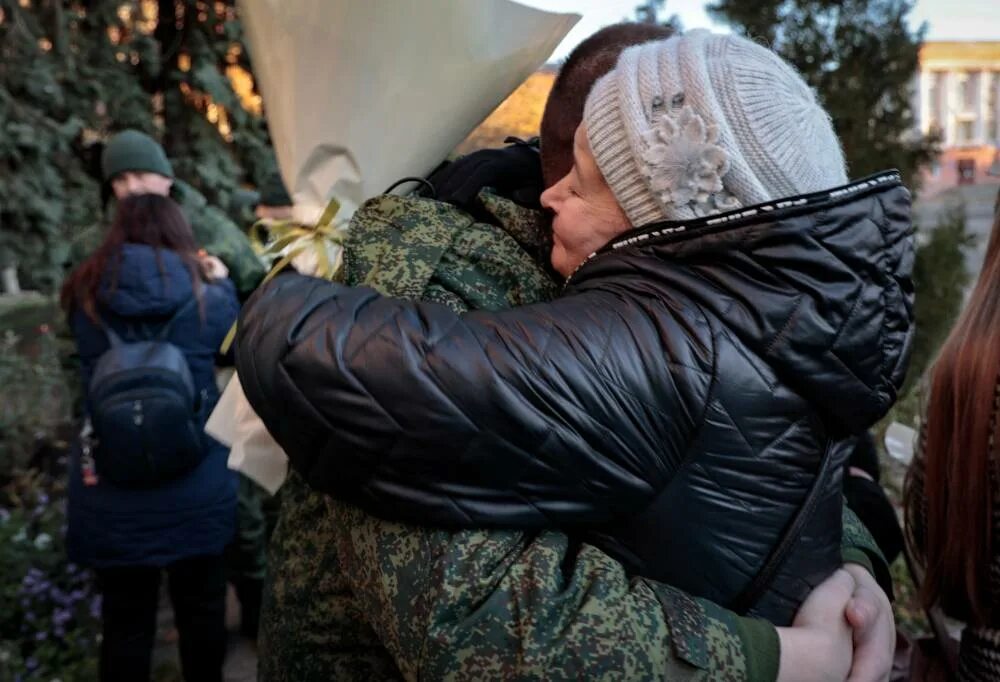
<point x="189" y="516"/>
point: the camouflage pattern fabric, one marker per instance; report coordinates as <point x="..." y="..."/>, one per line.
<point x="213" y="231"/>
<point x="857" y="545"/>
<point x="312" y="628"/>
<point x="246" y="556"/>
<point x="469" y="605"/>
<point x="419" y="248"/>
<point x="503" y="605"/>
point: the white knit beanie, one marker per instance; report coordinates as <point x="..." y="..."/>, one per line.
<point x="702" y="123"/>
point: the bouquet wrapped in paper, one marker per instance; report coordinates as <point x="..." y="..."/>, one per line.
<point x="361" y="93"/>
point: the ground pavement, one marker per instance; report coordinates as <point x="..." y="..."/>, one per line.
<point x="241" y="658"/>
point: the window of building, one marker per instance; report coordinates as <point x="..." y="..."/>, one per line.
<point x="968" y="98"/>
<point x="935" y="100"/>
<point x="965" y="132"/>
<point x="966" y="171"/>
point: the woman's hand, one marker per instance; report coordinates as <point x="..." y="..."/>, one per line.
<point x="819" y="646"/>
<point x="211" y="267"/>
<point x="844" y="630"/>
<point x="870" y="615"/>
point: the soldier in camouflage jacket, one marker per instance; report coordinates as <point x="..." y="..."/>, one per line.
<point x="351" y="596"/>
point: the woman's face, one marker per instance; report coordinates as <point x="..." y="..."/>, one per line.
<point x="587" y="215"/>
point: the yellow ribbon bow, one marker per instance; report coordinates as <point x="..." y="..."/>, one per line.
<point x="281" y="241"/>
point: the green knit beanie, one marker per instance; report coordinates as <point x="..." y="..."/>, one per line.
<point x="131" y="150"/>
<point x="273" y="192"/>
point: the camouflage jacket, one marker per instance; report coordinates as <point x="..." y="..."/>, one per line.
<point x="213" y="231"/>
<point x="350" y="596"/>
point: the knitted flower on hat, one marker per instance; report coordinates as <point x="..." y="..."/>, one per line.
<point x="684" y="165"/>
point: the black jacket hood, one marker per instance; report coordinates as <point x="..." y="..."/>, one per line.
<point x="804" y="282"/>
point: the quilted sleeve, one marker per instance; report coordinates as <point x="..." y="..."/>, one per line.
<point x="573" y="411"/>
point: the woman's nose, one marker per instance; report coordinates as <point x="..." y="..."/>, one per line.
<point x="548" y="197"/>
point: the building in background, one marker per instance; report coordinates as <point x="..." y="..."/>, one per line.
<point x="958" y="94"/>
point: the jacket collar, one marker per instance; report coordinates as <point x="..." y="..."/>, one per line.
<point x="674" y="232"/>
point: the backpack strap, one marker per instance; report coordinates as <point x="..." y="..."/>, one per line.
<point x="165" y="331"/>
<point x="113" y="337"/>
<point x="116" y="340"/>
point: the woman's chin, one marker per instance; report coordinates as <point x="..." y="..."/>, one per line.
<point x="560" y="261"/>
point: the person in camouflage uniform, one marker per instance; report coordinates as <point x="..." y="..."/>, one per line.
<point x="133" y="163"/>
<point x="352" y="597"/>
<point x="355" y="597"/>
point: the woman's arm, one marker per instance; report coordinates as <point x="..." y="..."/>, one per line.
<point x="567" y="412"/>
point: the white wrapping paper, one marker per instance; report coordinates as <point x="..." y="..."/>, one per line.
<point x="361" y="93"/>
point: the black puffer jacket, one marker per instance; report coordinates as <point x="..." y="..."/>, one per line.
<point x="676" y="405"/>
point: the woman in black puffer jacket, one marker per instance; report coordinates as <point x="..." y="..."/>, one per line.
<point x="688" y="403"/>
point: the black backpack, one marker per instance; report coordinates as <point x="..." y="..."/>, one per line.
<point x="146" y="416"/>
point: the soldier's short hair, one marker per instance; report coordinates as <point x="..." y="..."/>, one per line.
<point x="591" y="59"/>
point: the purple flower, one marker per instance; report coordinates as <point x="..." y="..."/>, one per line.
<point x="31" y="663"/>
<point x="61" y="598"/>
<point x="40" y="636"/>
<point x="95" y="606"/>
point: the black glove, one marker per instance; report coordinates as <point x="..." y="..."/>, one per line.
<point x="515" y="172"/>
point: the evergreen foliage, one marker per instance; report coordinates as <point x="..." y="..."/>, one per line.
<point x="940" y="276"/>
<point x="648" y="12"/>
<point x="71" y="73"/>
<point x="861" y="57"/>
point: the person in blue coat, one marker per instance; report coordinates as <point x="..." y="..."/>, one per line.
<point x="144" y="275"/>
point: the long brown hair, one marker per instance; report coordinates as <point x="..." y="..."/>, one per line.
<point x="960" y="448"/>
<point x="149" y="219"/>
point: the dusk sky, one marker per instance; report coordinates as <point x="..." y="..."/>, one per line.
<point x="947" y="19"/>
